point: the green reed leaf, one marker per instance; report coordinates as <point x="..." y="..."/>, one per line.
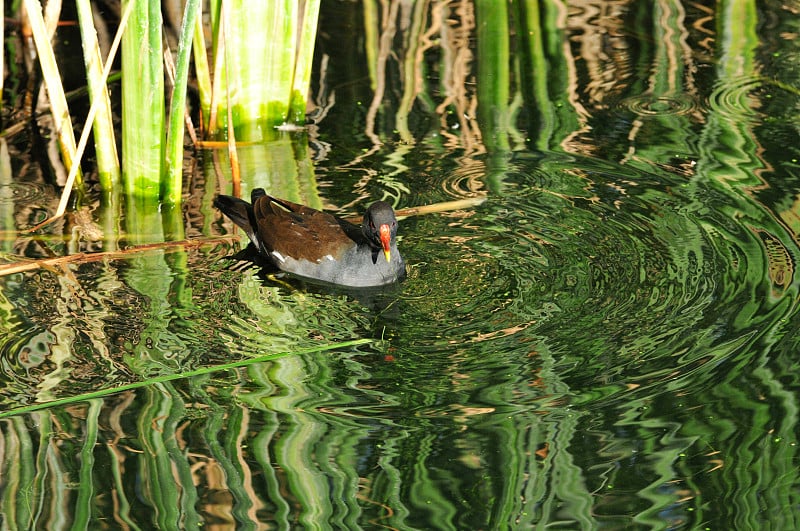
<point x="177" y="376"/>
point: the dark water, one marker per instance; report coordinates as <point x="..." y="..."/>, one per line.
<point x="609" y="340"/>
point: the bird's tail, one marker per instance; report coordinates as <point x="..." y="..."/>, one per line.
<point x="240" y="212"/>
<point x="237" y="209"/>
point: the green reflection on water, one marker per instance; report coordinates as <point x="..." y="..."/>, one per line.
<point x="608" y="341"/>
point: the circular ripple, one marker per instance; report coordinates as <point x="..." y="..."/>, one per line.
<point x="464" y="181"/>
<point x="476" y="287"/>
<point x="732" y="97"/>
<point x="610" y="270"/>
<point x="652" y="105"/>
<point x="21" y="192"/>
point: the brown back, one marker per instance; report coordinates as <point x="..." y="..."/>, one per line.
<point x="301" y="232"/>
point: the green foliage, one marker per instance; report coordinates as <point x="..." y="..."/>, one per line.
<point x="143" y="107"/>
<point x="263" y="77"/>
<point x="172" y="184"/>
<point x="103" y="126"/>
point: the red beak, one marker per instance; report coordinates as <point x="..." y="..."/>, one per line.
<point x="386" y="239"/>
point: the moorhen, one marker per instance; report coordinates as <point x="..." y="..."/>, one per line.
<point x="317" y="245"/>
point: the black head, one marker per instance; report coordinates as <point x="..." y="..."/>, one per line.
<point x="380" y="226"/>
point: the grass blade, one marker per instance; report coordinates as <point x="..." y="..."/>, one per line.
<point x="170" y="377"/>
<point x="143" y="107"/>
<point x="202" y="72"/>
<point x="173" y="178"/>
<point x="303" y="63"/>
<point x="103" y="125"/>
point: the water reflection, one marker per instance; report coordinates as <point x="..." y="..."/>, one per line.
<point x="597" y="342"/>
<point x="609" y="340"/>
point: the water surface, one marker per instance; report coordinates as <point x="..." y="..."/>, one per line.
<point x="608" y="340"/>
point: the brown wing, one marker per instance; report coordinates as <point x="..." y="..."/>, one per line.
<point x="299" y="231"/>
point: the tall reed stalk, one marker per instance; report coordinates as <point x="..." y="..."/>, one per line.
<point x="266" y="72"/>
<point x="262" y="55"/>
<point x="303" y="63"/>
<point x="103" y="126"/>
<point x="172" y="183"/>
<point x="493" y="85"/>
<point x="143" y="114"/>
<point x="52" y="80"/>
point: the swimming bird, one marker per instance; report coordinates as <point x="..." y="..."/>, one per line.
<point x="317" y="245"/>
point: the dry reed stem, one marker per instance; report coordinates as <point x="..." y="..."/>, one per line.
<point x="87" y="128"/>
<point x="49" y="263"/>
<point x="444" y="206"/>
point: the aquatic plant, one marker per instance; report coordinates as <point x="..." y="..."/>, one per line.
<point x="261" y="61"/>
